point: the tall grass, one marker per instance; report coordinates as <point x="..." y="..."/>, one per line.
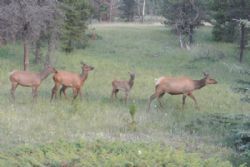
<point x="151" y="51"/>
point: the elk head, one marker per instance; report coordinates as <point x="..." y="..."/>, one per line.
<point x="209" y="79"/>
<point x="86" y="67"/>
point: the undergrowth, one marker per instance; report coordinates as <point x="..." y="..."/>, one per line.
<point x="103" y="153"/>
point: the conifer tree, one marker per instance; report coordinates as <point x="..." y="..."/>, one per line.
<point x="184" y="16"/>
<point x="225" y="11"/>
<point x="230" y="24"/>
<point x="74" y="27"/>
<point x="128" y="8"/>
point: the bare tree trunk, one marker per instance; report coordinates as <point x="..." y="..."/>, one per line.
<point x="1" y="41"/>
<point x="38" y="52"/>
<point x="154" y="7"/>
<point x="50" y="49"/>
<point x="242" y="41"/>
<point x="181" y="40"/>
<point x="138" y="8"/>
<point x="110" y="10"/>
<point x="191" y="31"/>
<point x="25" y="55"/>
<point x="143" y="10"/>
<point x="99" y="13"/>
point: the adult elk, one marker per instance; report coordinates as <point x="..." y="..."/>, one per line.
<point x="29" y="79"/>
<point x="179" y="86"/>
<point x="124" y="86"/>
<point x="70" y="79"/>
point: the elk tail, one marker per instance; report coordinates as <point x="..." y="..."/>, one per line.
<point x="12" y="72"/>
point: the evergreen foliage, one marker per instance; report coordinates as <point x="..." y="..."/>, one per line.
<point x="74" y="27"/>
<point x="225" y="12"/>
<point x="128" y="10"/>
<point x="184" y="16"/>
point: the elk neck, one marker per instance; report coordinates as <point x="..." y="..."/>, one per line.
<point x="199" y="83"/>
<point x="131" y="82"/>
<point x="43" y="74"/>
<point x="84" y="75"/>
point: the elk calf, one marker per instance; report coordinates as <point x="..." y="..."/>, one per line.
<point x="69" y="79"/>
<point x="29" y="79"/>
<point x="124" y="86"/>
<point x="179" y="86"/>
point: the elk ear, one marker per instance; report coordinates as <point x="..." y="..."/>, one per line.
<point x="55" y="70"/>
<point x="46" y="65"/>
<point x="205" y="74"/>
<point x="82" y="63"/>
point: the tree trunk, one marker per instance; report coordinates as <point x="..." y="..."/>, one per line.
<point x="99" y="13"/>
<point x="242" y="41"/>
<point x="110" y="10"/>
<point x="50" y="49"/>
<point x="154" y="8"/>
<point x="138" y="8"/>
<point x="143" y="10"/>
<point x="38" y="52"/>
<point x="191" y="31"/>
<point x="181" y="40"/>
<point x="25" y="55"/>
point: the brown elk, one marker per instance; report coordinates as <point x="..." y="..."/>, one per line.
<point x="179" y="86"/>
<point x="29" y="79"/>
<point x="124" y="86"/>
<point x="70" y="79"/>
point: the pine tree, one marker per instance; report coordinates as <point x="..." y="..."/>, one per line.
<point x="76" y="15"/>
<point x="225" y="11"/>
<point x="128" y="8"/>
<point x="229" y="25"/>
<point x="184" y="16"/>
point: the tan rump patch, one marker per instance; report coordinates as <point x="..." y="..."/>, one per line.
<point x="12" y="72"/>
<point x="158" y="81"/>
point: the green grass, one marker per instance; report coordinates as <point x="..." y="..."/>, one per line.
<point x="151" y="51"/>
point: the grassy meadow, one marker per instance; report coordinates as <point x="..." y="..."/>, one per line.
<point x="95" y="132"/>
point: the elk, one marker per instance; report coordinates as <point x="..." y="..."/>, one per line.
<point x="29" y="79"/>
<point x="70" y="79"/>
<point x="125" y="86"/>
<point x="179" y="86"/>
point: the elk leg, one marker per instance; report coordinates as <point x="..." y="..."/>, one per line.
<point x="183" y="101"/>
<point x="80" y="93"/>
<point x="75" y="92"/>
<point x="159" y="99"/>
<point x="13" y="89"/>
<point x="54" y="90"/>
<point x="34" y="93"/>
<point x="60" y="91"/>
<point x="112" y="95"/>
<point x="152" y="97"/>
<point x="116" y="91"/>
<point x="192" y="97"/>
<point x="159" y="96"/>
<point x="63" y="90"/>
<point x="126" y="97"/>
